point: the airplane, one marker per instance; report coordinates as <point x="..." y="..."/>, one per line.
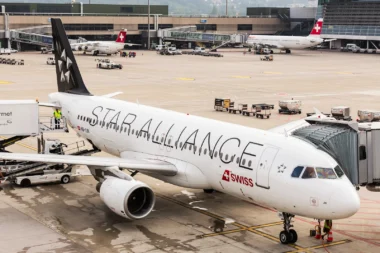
<point x="103" y="47"/>
<point x="263" y="167"/>
<point x="289" y="42"/>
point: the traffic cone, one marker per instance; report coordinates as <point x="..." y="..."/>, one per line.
<point x="330" y="237"/>
<point x="318" y="233"/>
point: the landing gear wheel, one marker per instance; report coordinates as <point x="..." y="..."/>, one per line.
<point x="293" y="236"/>
<point x="65" y="179"/>
<point x="208" y="190"/>
<point x="284" y="237"/>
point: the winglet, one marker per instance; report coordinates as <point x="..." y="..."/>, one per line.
<point x="317" y="111"/>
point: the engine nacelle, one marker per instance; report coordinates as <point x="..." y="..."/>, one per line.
<point x="88" y="48"/>
<point x="128" y="198"/>
<point x="78" y="48"/>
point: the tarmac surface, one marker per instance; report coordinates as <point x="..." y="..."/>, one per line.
<point x="72" y="218"/>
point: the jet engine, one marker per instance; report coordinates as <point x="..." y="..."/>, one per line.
<point x="78" y="48"/>
<point x="88" y="48"/>
<point x="128" y="198"/>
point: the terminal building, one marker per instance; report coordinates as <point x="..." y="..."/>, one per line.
<point x="104" y="21"/>
<point x="351" y="21"/>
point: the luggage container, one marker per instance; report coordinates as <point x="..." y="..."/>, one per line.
<point x="262" y="110"/>
<point x="368" y="115"/>
<point x="222" y="104"/>
<point x="341" y="113"/>
<point x="239" y="109"/>
<point x="290" y="106"/>
<point x="19" y="117"/>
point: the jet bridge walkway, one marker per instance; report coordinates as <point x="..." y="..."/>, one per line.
<point x="189" y="34"/>
<point x="355" y="146"/>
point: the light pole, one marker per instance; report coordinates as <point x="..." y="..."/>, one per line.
<point x="148" y="24"/>
<point x="226" y="7"/>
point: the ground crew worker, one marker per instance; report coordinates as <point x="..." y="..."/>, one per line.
<point x="57" y="118"/>
<point x="326" y="228"/>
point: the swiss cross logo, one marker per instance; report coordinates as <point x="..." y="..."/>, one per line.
<point x="121" y="37"/>
<point x="317" y="27"/>
<point x="228" y="176"/>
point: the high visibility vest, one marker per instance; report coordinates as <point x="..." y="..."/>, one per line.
<point x="327" y="224"/>
<point x="57" y="114"/>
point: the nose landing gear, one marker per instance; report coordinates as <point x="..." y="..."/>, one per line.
<point x="288" y="235"/>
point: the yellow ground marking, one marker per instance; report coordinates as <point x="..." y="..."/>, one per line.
<point x="272" y="73"/>
<point x="185" y="79"/>
<point x="242" y="77"/>
<point x="5" y="82"/>
<point x="240" y="226"/>
<point x="328" y="244"/>
<point x="22" y="144"/>
<point x="344" y="73"/>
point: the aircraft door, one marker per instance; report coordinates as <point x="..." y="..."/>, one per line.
<point x="264" y="166"/>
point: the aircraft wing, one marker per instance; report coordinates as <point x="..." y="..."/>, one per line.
<point x="142" y="165"/>
<point x="83" y="44"/>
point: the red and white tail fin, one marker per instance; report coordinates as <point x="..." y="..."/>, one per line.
<point x="122" y="36"/>
<point x="317" y="29"/>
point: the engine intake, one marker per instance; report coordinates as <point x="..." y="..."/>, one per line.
<point x="128" y="198"/>
<point x="78" y="48"/>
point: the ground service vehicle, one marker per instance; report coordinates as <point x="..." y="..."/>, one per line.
<point x="50" y="61"/>
<point x="107" y="64"/>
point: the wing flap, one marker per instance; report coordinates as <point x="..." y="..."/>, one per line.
<point x="142" y="165"/>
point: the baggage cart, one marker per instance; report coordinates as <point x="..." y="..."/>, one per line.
<point x="222" y="104"/>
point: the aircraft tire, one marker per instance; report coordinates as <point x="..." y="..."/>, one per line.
<point x="284" y="237"/>
<point x="293" y="236"/>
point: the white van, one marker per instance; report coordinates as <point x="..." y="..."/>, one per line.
<point x="199" y="50"/>
<point x="160" y="47"/>
<point x="45" y="176"/>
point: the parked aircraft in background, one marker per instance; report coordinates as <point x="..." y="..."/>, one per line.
<point x="103" y="47"/>
<point x="264" y="167"/>
<point x="289" y="42"/>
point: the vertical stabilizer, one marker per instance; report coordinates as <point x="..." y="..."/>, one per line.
<point x="317" y="29"/>
<point x="69" y="79"/>
<point x="122" y="36"/>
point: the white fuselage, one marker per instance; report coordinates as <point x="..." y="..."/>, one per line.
<point x="284" y="42"/>
<point x="102" y="47"/>
<point x="248" y="163"/>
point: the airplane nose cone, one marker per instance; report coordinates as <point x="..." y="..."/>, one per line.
<point x="345" y="203"/>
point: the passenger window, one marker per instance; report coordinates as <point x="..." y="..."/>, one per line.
<point x="237" y="160"/>
<point x="185" y="146"/>
<point x="195" y="149"/>
<point x="297" y="171"/>
<point x="190" y="147"/>
<point x="243" y="162"/>
<point x="249" y="163"/>
<point x="326" y="173"/>
<point x="205" y="152"/>
<point x="362" y="153"/>
<point x="309" y="173"/>
<point x="226" y="157"/>
<point x="216" y="154"/>
<point x="133" y="131"/>
<point x="339" y="171"/>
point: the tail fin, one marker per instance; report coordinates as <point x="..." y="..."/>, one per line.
<point x="122" y="36"/>
<point x="317" y="29"/>
<point x="69" y="79"/>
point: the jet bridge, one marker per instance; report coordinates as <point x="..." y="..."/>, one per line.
<point x="355" y="146"/>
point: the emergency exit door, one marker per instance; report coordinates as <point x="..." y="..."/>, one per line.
<point x="264" y="166"/>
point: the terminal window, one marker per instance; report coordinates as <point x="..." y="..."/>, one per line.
<point x="126" y="9"/>
<point x="245" y="27"/>
<point x="203" y="27"/>
<point x="17" y="8"/>
<point x="145" y="26"/>
<point x="165" y="26"/>
<point x="88" y="27"/>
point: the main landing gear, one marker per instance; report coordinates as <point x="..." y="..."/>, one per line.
<point x="288" y="235"/>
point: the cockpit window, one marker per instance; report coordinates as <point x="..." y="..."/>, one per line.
<point x="309" y="173"/>
<point x="325" y="173"/>
<point x="339" y="171"/>
<point x="297" y="171"/>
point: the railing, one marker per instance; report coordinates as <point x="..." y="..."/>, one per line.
<point x="135" y="15"/>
